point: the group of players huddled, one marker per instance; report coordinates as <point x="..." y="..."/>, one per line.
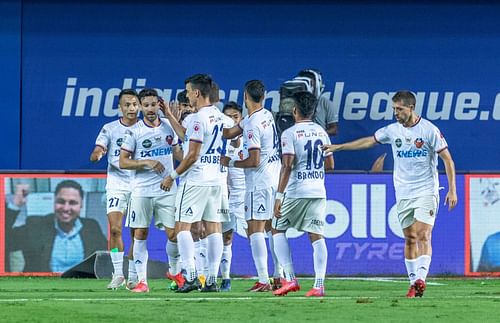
<point x="202" y="173"/>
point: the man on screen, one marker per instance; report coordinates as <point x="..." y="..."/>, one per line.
<point x="60" y="240"/>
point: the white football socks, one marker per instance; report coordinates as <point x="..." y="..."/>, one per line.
<point x="186" y="249"/>
<point x="141" y="258"/>
<point x="225" y="264"/>
<point x="320" y="258"/>
<point x="259" y="254"/>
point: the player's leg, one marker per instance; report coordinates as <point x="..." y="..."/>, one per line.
<point x="312" y="219"/>
<point x="132" y="272"/>
<point x="200" y="250"/>
<point x="164" y="210"/>
<point x="227" y="255"/>
<point x="291" y="212"/>
<point x="190" y="203"/>
<point x="116" y="206"/>
<point x="216" y="211"/>
<point x="425" y="215"/>
<point x="116" y="249"/>
<point x="258" y="209"/>
<point x="405" y="209"/>
<point x="278" y="273"/>
<point x="140" y="216"/>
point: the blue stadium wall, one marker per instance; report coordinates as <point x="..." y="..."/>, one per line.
<point x="63" y="64"/>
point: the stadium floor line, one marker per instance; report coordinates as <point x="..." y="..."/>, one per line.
<point x="377" y="279"/>
<point x="197" y="299"/>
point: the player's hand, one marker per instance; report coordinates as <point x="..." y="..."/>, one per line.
<point x="224" y="160"/>
<point x="163" y="106"/>
<point x="22" y="191"/>
<point x="277" y="209"/>
<point x="451" y="199"/>
<point x="175" y="110"/>
<point x="166" y="183"/>
<point x="97" y="154"/>
<point x="156" y="166"/>
<point x="330" y="148"/>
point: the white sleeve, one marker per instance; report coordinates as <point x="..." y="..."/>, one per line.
<point x="128" y="141"/>
<point x="252" y="135"/>
<point x="382" y="135"/>
<point x="104" y="137"/>
<point x="287" y="144"/>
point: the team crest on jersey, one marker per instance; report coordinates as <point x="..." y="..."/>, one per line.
<point x="196" y="126"/>
<point x="119" y="142"/>
<point x="261" y="209"/>
<point x="284" y="142"/>
<point x="250" y="134"/>
<point x="398" y="142"/>
<point x="408" y="140"/>
<point x="419" y="142"/>
<point x="169" y="139"/>
<point x="147" y="143"/>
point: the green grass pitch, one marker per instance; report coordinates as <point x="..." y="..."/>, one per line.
<point x="25" y="299"/>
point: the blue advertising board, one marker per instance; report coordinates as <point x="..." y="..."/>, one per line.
<point x="10" y="82"/>
<point x="73" y="67"/>
<point x="362" y="232"/>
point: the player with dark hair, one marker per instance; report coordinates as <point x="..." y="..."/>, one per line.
<point x="301" y="196"/>
<point x="118" y="188"/>
<point x="261" y="163"/>
<point x="199" y="197"/>
<point x="149" y="148"/>
<point x="416" y="144"/>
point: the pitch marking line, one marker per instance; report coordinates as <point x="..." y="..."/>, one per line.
<point x="197" y="299"/>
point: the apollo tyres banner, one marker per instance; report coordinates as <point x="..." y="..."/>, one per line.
<point x="73" y="67"/>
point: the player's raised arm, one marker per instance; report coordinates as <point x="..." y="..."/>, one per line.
<point x="359" y="144"/>
<point x="230" y="133"/>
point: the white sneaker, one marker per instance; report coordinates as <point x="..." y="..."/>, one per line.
<point x="116" y="282"/>
<point x="131" y="284"/>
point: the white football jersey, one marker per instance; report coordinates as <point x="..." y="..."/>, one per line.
<point x="205" y="127"/>
<point x="415" y="151"/>
<point x="304" y="141"/>
<point x="185" y="143"/>
<point x="236" y="176"/>
<point x="156" y="143"/>
<point x="227" y="122"/>
<point x="259" y="132"/>
<point x="110" y="138"/>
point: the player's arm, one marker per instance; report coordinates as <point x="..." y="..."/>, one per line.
<point x="332" y="129"/>
<point x="188" y="161"/>
<point x="230" y="133"/>
<point x="329" y="163"/>
<point x="449" y="166"/>
<point x="359" y="144"/>
<point x="177" y="152"/>
<point x="252" y="161"/>
<point x="178" y="128"/>
<point x="286" y="170"/>
<point x="98" y="152"/>
<point x="172" y="113"/>
<point x="126" y="162"/>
